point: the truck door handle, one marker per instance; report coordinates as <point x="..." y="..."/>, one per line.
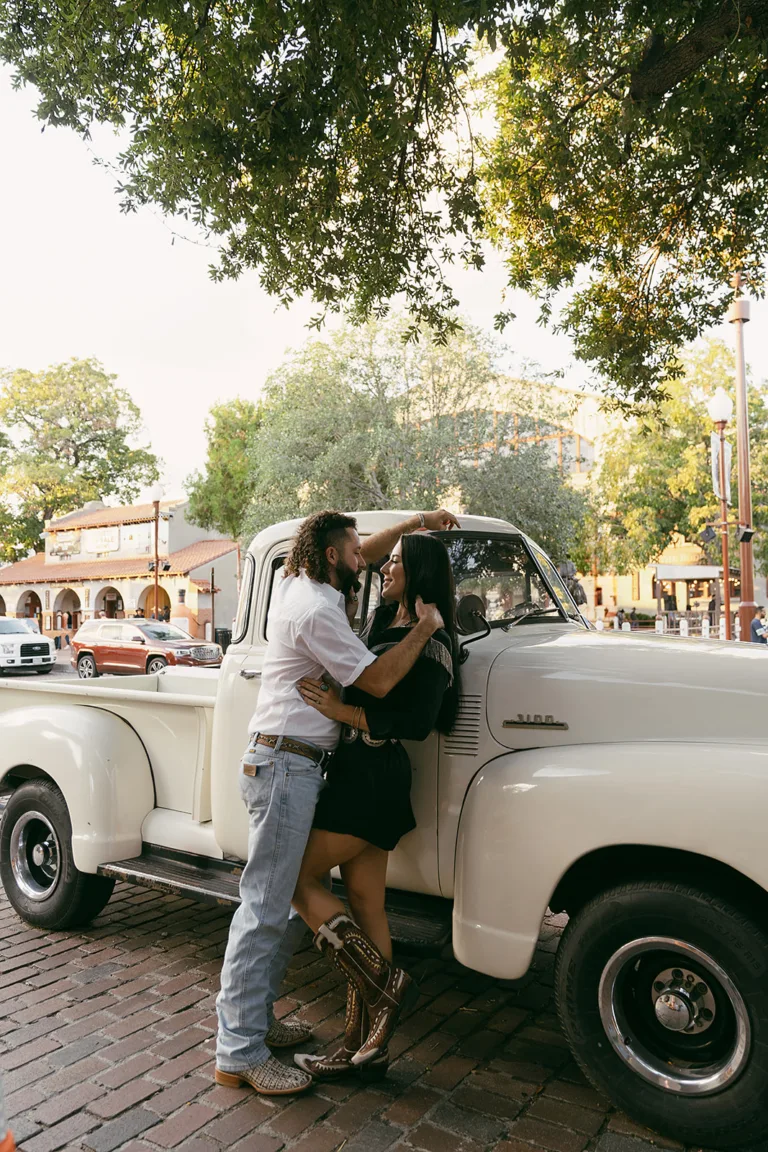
<point x="249" y="673"/>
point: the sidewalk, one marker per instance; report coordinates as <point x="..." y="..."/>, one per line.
<point x="108" y="1044"/>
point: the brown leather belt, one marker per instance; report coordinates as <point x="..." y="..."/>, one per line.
<point x="317" y="755"/>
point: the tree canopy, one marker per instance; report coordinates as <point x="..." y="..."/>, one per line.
<point x="339" y="148"/>
<point x="219" y="496"/>
<point x="71" y="433"/>
<point x="655" y="478"/>
<point x="364" y="420"/>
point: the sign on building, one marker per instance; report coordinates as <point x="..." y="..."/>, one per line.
<point x="102" y="539"/>
<point x="66" y="543"/>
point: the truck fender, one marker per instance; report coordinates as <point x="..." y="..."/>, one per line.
<point x="529" y="816"/>
<point x="100" y="766"/>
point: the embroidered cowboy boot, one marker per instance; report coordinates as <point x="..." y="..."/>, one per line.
<point x="330" y="1065"/>
<point x="386" y="991"/>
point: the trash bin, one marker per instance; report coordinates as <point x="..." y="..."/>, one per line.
<point x="223" y="636"/>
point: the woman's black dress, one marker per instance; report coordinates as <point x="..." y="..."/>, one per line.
<point x="368" y="788"/>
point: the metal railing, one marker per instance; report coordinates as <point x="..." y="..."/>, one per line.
<point x="701" y="625"/>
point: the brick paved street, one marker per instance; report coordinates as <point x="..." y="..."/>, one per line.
<point x="108" y="1036"/>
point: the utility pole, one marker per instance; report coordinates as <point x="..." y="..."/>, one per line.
<point x="213" y="609"/>
<point x="720" y="409"/>
<point x="157" y="558"/>
<point x="738" y="314"/>
<point x="724" y="533"/>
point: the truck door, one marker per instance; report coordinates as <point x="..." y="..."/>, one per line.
<point x="238" y="691"/>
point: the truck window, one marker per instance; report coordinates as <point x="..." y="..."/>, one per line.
<point x="274" y="580"/>
<point x="503" y="573"/>
<point x="243" y="616"/>
<point x="561" y="592"/>
<point x="368" y="597"/>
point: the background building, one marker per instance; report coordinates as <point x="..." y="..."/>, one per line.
<point x="97" y="562"/>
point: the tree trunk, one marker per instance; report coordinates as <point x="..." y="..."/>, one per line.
<point x="664" y="66"/>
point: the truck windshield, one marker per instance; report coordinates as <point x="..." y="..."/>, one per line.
<point x="502" y="571"/>
<point x="7" y="626"/>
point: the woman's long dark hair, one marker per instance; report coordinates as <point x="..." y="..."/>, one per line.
<point x="428" y="574"/>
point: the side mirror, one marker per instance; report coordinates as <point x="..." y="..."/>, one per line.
<point x="138" y="639"/>
<point x="470" y="618"/>
<point x="470" y="614"/>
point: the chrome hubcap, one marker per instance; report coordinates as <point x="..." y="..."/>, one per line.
<point x="682" y="1001"/>
<point x="35" y="855"/>
<point x="86" y="669"/>
<point x="674" y="1016"/>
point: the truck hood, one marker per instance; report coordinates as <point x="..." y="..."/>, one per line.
<point x="551" y="687"/>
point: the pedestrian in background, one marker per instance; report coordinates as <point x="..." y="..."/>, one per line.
<point x="758" y="632"/>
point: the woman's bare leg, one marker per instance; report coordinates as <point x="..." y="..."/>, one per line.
<point x="365" y="878"/>
<point x="325" y="850"/>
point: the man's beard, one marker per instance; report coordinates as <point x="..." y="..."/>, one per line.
<point x="346" y="576"/>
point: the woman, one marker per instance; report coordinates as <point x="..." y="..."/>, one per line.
<point x="366" y="808"/>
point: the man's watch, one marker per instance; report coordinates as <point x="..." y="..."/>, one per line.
<point x="422" y="521"/>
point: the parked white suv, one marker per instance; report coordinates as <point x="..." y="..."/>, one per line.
<point x="21" y="647"/>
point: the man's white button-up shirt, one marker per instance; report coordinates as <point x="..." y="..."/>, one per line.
<point x="308" y="634"/>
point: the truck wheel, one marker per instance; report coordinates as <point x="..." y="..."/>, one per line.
<point x="662" y="992"/>
<point x="36" y="865"/>
<point x="156" y="664"/>
<point x="86" y="666"/>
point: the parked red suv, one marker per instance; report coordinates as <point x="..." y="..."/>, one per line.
<point x="131" y="647"/>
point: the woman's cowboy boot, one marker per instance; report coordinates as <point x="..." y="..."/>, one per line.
<point x="386" y="990"/>
<point x="329" y="1066"/>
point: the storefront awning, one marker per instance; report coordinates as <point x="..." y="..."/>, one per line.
<point x="688" y="572"/>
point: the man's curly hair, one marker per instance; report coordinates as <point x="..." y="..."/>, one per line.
<point x="318" y="532"/>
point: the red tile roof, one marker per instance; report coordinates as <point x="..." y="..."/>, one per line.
<point x="105" y="517"/>
<point x="34" y="570"/>
<point x="204" y="586"/>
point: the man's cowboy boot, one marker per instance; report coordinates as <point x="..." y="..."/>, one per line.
<point x="271" y="1078"/>
<point x="329" y="1066"/>
<point x="386" y="990"/>
<point x="288" y="1033"/>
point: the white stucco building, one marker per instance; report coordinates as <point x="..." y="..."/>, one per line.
<point x="99" y="560"/>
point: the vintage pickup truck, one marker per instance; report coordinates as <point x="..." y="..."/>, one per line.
<point x="622" y="778"/>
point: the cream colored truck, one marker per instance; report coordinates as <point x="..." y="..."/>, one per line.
<point x="620" y="778"/>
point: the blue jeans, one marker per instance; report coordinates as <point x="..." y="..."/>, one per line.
<point x="264" y="934"/>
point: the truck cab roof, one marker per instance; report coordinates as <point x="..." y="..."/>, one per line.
<point x="374" y="521"/>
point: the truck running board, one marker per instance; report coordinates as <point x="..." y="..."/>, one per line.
<point x="418" y="923"/>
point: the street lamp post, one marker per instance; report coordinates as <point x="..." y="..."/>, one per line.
<point x="738" y="314"/>
<point x="156" y="496"/>
<point x="720" y="410"/>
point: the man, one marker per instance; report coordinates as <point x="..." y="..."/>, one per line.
<point x="308" y="635"/>
<point x="758" y="633"/>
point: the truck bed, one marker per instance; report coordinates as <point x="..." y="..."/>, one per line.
<point x="172" y="713"/>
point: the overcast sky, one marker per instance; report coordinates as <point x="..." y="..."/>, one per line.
<point x="77" y="278"/>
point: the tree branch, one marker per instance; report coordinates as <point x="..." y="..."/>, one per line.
<point x="664" y="67"/>
<point x="420" y="96"/>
